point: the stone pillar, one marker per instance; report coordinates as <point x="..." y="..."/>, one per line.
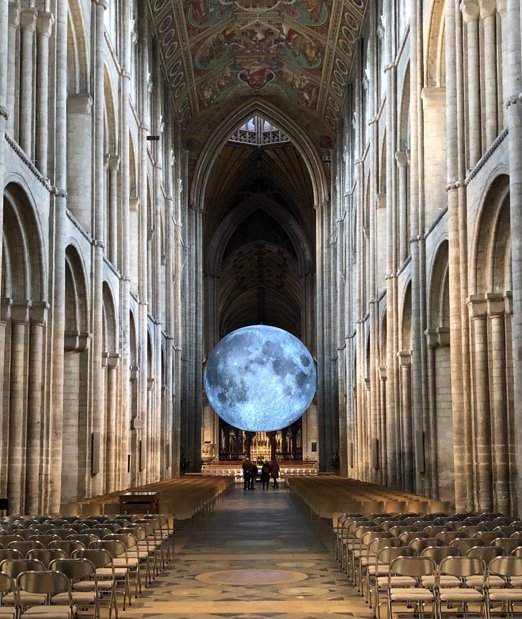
<point x="470" y="12"/>
<point x="406" y="421"/>
<point x="27" y="28"/>
<point x="504" y="62"/>
<point x="14" y="22"/>
<point x="113" y="223"/>
<point x="482" y="436"/>
<point x="58" y="299"/>
<point x="113" y="437"/>
<point x="392" y="251"/>
<point x="44" y="25"/>
<point x="488" y="10"/>
<point x="38" y="318"/>
<point x="431" y="443"/>
<point x="514" y="117"/>
<point x="98" y="413"/>
<point x="4" y="109"/>
<point x="404" y="233"/>
<point x="124" y="245"/>
<point x="18" y="408"/>
<point x="499" y="404"/>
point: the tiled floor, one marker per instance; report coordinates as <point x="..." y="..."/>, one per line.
<point x="221" y="563"/>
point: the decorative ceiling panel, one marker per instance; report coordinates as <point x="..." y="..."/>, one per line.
<point x="297" y="53"/>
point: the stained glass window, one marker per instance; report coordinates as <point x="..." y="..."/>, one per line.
<point x="257" y="131"/>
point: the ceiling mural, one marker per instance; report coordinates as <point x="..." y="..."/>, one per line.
<point x="217" y="52"/>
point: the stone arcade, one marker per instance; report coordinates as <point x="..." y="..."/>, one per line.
<point x="350" y="171"/>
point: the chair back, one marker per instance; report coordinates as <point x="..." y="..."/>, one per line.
<point x="75" y="569"/>
<point x="448" y="536"/>
<point x="25" y="546"/>
<point x="462" y="567"/>
<point x="99" y="557"/>
<point x="5" y="540"/>
<point x="508" y="567"/>
<point x="48" y="582"/>
<point x="489" y="536"/>
<point x="114" y="547"/>
<point x="10" y="553"/>
<point x="507" y="543"/>
<point x="46" y="555"/>
<point x="6" y="586"/>
<point x="13" y="567"/>
<point x="465" y="543"/>
<point x="43" y="529"/>
<point x="486" y="553"/>
<point x="84" y="538"/>
<point x="420" y="543"/>
<point x="415" y="567"/>
<point x="45" y="538"/>
<point x="438" y="553"/>
<point x="67" y="545"/>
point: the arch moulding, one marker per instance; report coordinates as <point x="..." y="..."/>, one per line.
<point x="217" y="140"/>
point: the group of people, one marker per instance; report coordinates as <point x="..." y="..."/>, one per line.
<point x="268" y="470"/>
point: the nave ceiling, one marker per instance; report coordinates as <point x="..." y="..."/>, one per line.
<point x="296" y="54"/>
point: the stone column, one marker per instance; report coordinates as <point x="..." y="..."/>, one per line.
<point x="113" y="438"/>
<point x="432" y="343"/>
<point x="488" y="10"/>
<point x="499" y="407"/>
<point x="504" y="63"/>
<point x="514" y="118"/>
<point x="27" y="28"/>
<point x="38" y="318"/>
<point x="18" y="408"/>
<point x="404" y="232"/>
<point x="470" y="12"/>
<point x="124" y="244"/>
<point x="11" y="55"/>
<point x="59" y="224"/>
<point x="406" y="421"/>
<point x="4" y="109"/>
<point x="98" y="413"/>
<point x="112" y="232"/>
<point x="44" y="25"/>
<point x="478" y="311"/>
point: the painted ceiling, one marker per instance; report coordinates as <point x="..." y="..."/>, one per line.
<point x="296" y="53"/>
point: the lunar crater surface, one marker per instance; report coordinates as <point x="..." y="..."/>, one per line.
<point x="260" y="378"/>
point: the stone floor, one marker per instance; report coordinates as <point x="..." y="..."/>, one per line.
<point x="258" y="555"/>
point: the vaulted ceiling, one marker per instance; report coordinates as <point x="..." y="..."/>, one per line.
<point x="297" y="54"/>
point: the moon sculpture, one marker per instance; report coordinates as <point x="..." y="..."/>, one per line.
<point x="260" y="378"/>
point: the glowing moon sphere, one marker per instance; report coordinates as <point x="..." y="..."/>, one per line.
<point x="260" y="378"/>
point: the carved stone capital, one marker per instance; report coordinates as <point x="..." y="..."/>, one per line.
<point x="443" y="336"/>
<point x="79" y="104"/>
<point x="404" y="357"/>
<point x="28" y="19"/>
<point x="477" y="306"/>
<point x="488" y="8"/>
<point x="496" y="304"/>
<point x="402" y="158"/>
<point x="101" y="3"/>
<point x="44" y="24"/>
<point x="5" y="309"/>
<point x="470" y="10"/>
<point x="14" y="14"/>
<point x="20" y="311"/>
<point x="502" y="7"/>
<point x="4" y="112"/>
<point x="38" y="313"/>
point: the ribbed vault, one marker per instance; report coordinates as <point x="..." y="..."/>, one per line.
<point x="258" y="236"/>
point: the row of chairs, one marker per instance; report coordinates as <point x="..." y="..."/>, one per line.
<point x="138" y="546"/>
<point x="461" y="583"/>
<point x="366" y="545"/>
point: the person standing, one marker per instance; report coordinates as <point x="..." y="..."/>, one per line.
<point x="274" y="471"/>
<point x="253" y="476"/>
<point x="265" y="475"/>
<point x="247" y="469"/>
